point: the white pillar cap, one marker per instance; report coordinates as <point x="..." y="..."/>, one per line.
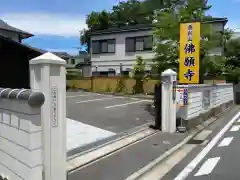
<point x="169" y="72"/>
<point x="48" y="58"/>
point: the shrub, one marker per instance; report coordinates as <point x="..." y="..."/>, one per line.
<point x="73" y="86"/>
<point x="120" y="87"/>
<point x="108" y="88"/>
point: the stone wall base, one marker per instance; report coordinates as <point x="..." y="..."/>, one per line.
<point x="192" y="123"/>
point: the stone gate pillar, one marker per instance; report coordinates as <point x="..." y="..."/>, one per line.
<point x="169" y="82"/>
<point x="48" y="75"/>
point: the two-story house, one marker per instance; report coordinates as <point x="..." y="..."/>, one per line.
<point x="116" y="49"/>
<point x="80" y="63"/>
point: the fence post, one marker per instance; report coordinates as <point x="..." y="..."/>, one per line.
<point x="48" y="75"/>
<point x="169" y="78"/>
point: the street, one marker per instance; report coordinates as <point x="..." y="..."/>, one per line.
<point x="218" y="159"/>
<point x="112" y="113"/>
<point x="94" y="119"/>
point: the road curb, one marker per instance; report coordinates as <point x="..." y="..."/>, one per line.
<point x="161" y="158"/>
<point x="72" y="169"/>
<point x="126" y="134"/>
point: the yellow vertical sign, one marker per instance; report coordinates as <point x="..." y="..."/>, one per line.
<point x="189" y="53"/>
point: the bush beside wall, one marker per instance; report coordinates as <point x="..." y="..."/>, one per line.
<point x="109" y="84"/>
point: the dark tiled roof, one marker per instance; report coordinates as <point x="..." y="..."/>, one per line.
<point x="22" y="45"/>
<point x="36" y="49"/>
<point x="81" y="56"/>
<point x="82" y="52"/>
<point x="61" y="54"/>
<point x="5" y="26"/>
<point x="143" y="27"/>
<point x="124" y="29"/>
<point x="210" y="19"/>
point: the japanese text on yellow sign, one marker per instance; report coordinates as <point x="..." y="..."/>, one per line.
<point x="189" y="53"/>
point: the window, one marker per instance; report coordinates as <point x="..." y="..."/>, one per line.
<point x="95" y="47"/>
<point x="103" y="46"/>
<point x="148" y="43"/>
<point x="72" y="61"/>
<point x="111" y="46"/>
<point x="141" y="43"/>
<point x="130" y="45"/>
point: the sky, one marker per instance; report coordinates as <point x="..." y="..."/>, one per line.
<point x="56" y="24"/>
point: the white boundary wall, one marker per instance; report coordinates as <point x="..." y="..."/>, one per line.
<point x="20" y="138"/>
<point x="204" y="97"/>
<point x="33" y="124"/>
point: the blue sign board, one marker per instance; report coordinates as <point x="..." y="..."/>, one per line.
<point x="185" y="96"/>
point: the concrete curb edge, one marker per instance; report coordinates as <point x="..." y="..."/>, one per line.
<point x="153" y="163"/>
<point x="143" y="128"/>
<point x="111" y="152"/>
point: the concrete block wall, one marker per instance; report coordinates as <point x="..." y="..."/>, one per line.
<point x="20" y="134"/>
<point x="198" y="104"/>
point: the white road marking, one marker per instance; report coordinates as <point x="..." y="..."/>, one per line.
<point x="235" y="128"/>
<point x="161" y="169"/>
<point x="190" y="167"/>
<point x="125" y="104"/>
<point x="92" y="100"/>
<point x="208" y="166"/>
<point x="81" y="95"/>
<point x="225" y="141"/>
<point x="238" y="121"/>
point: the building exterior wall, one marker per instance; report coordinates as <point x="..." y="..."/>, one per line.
<point x="105" y="61"/>
<point x="76" y="60"/>
<point x="113" y="60"/>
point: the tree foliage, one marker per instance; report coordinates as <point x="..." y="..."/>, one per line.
<point x="138" y="73"/>
<point x="129" y="12"/>
<point x="232" y="54"/>
<point x="167" y="33"/>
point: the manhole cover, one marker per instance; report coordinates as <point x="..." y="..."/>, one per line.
<point x="195" y="141"/>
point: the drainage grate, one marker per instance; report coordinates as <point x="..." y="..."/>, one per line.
<point x="195" y="141"/>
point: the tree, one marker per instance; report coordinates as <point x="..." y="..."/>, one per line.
<point x="167" y="33"/>
<point x="232" y="65"/>
<point x="232" y="52"/>
<point x="129" y="12"/>
<point x="95" y="21"/>
<point x="125" y="13"/>
<point x="138" y="73"/>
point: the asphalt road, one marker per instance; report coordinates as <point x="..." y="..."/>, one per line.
<point x="122" y="164"/>
<point x="219" y="159"/>
<point x="108" y="112"/>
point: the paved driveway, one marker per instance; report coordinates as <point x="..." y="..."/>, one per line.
<point x="108" y="112"/>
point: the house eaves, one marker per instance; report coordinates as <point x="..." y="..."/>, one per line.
<point x="22" y="45"/>
<point x="146" y="27"/>
<point x="130" y="28"/>
<point x="6" y="27"/>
